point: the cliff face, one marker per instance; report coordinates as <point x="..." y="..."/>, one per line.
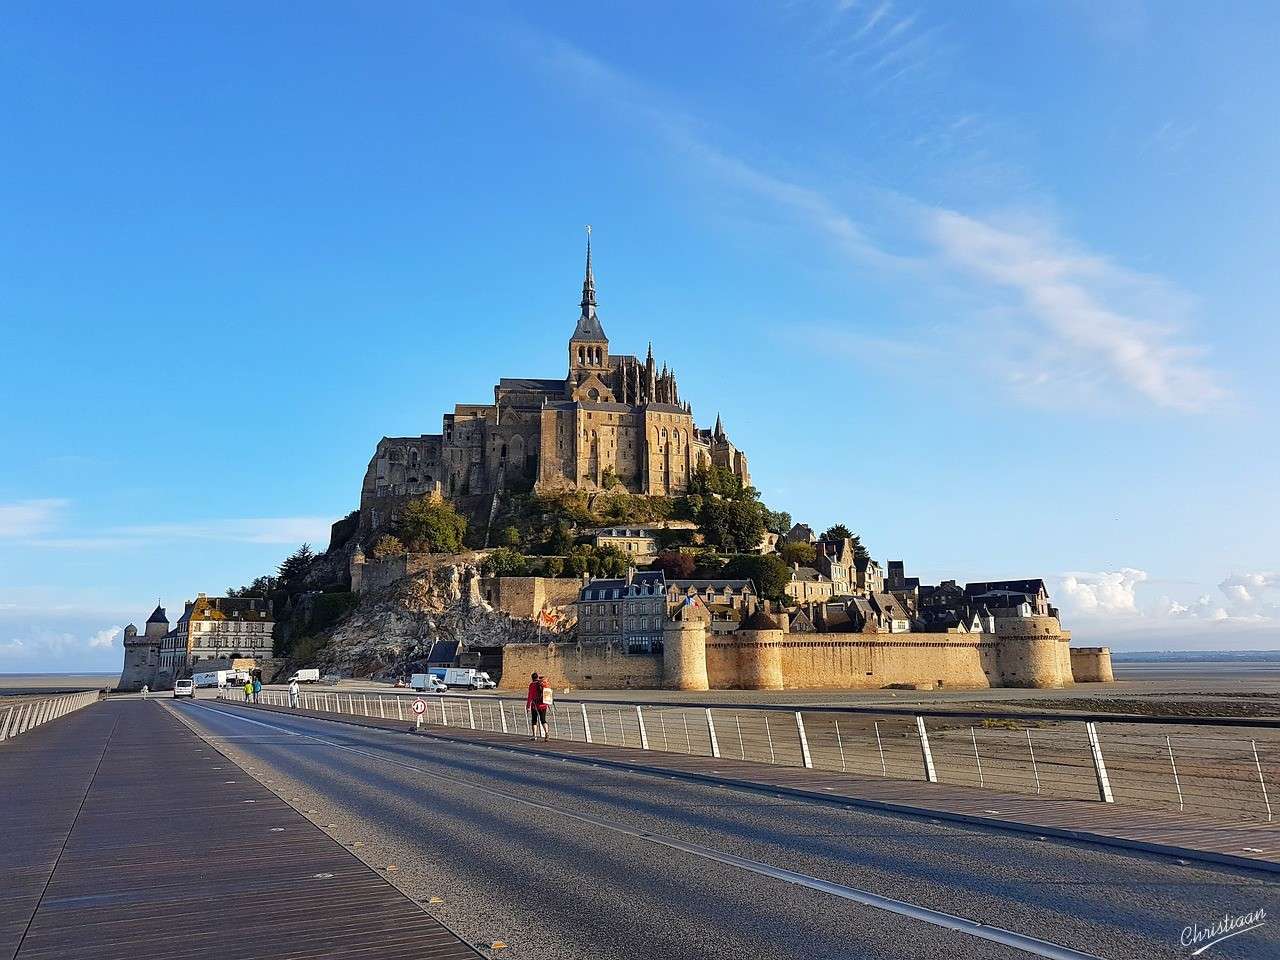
<point x="394" y="627"/>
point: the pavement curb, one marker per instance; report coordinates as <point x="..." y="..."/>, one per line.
<point x="883" y="806"/>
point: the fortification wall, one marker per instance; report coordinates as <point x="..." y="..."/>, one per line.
<point x="1092" y="665"/>
<point x="859" y="660"/>
<point x="376" y="574"/>
<point x="527" y="596"/>
<point x="589" y="666"/>
<point x="753" y="659"/>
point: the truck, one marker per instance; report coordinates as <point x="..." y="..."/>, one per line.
<point x="309" y="675"/>
<point x="464" y="677"/>
<point x="427" y="683"/>
<point x="216" y="678"/>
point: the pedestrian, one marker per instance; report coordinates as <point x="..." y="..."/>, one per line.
<point x="293" y="694"/>
<point x="538" y="700"/>
<point x="257" y="688"/>
<point x="248" y="690"/>
<point x="145" y="690"/>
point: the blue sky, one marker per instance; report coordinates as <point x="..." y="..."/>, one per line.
<point x="995" y="286"/>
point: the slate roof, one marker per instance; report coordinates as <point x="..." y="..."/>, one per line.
<point x="158" y="615"/>
<point x="1031" y="587"/>
<point x="588" y="328"/>
<point x="531" y="383"/>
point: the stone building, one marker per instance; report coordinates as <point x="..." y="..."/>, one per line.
<point x="808" y="585"/>
<point x="627" y="610"/>
<point x="611" y="419"/>
<point x="638" y="543"/>
<point x="217" y="628"/>
<point x="142" y="653"/>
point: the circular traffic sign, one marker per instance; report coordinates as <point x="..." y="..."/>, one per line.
<point x="419" y="706"/>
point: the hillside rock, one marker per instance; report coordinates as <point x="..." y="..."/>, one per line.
<point x="393" y="627"/>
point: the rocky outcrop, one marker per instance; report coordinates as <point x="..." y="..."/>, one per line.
<point x="394" y="627"/>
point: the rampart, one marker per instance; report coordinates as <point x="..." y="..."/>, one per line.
<point x="1036" y="655"/>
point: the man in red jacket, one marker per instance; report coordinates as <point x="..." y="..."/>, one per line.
<point x="537" y="707"/>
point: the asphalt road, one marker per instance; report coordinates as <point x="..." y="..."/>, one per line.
<point x="560" y="859"/>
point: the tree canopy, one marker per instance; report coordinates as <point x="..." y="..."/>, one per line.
<point x="432" y="525"/>
<point x="798" y="552"/>
<point x="675" y="564"/>
<point x="767" y="572"/>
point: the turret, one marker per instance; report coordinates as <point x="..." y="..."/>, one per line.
<point x="684" y="647"/>
<point x="759" y="640"/>
<point x="157" y="623"/>
<point x="588" y="347"/>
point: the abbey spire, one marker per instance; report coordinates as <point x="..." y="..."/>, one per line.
<point x="588" y="328"/>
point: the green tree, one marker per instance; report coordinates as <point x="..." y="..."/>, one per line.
<point x="559" y="540"/>
<point x="801" y="553"/>
<point x="769" y="574"/>
<point x="388" y="545"/>
<point x="777" y="521"/>
<point x="509" y="536"/>
<point x="432" y="525"/>
<point x="504" y="562"/>
<point x="553" y="566"/>
<point x="295" y="567"/>
<point x="837" y="531"/>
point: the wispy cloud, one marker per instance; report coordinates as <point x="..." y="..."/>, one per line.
<point x="283" y="530"/>
<point x="41" y="523"/>
<point x="29" y="518"/>
<point x="1091" y="309"/>
<point x="1095" y="326"/>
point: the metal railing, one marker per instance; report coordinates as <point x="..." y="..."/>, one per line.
<point x="25" y="715"/>
<point x="1227" y="769"/>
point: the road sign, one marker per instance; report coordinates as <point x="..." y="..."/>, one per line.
<point x="419" y="706"/>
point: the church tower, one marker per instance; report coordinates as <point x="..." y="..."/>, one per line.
<point x="588" y="347"/>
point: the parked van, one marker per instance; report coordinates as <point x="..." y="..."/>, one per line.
<point x="306" y="676"/>
<point x="184" y="688"/>
<point x="427" y="683"/>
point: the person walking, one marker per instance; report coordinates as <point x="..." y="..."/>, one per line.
<point x="248" y="690"/>
<point x="145" y="690"/>
<point x="257" y="688"/>
<point x="536" y="702"/>
<point x="293" y="694"/>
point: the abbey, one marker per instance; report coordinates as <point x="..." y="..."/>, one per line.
<point x="612" y="419"/>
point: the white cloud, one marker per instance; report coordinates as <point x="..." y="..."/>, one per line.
<point x="1109" y="593"/>
<point x="42" y="646"/>
<point x="104" y="639"/>
<point x="29" y="518"/>
<point x="1096" y="313"/>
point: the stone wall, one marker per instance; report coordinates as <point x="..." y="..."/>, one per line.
<point x="589" y="666"/>
<point x="376" y="574"/>
<point x="1092" y="665"/>
<point x="528" y="596"/>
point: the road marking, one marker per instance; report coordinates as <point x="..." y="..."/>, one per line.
<point x="972" y="928"/>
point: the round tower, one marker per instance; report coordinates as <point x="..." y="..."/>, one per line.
<point x="1027" y="652"/>
<point x="157" y="624"/>
<point x="759" y="642"/>
<point x="684" y="647"/>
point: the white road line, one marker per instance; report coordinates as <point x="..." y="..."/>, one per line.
<point x="972" y="928"/>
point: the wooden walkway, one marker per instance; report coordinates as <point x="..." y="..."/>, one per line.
<point x="1251" y="844"/>
<point x="124" y="835"/>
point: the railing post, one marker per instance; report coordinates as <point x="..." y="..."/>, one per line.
<point x="1173" y="763"/>
<point x="471" y="713"/>
<point x="930" y="774"/>
<point x="804" y="741"/>
<point x="399" y="707"/>
<point x="444" y="714"/>
<point x="644" y="734"/>
<point x="711" y="731"/>
<point x="1261" y="780"/>
<point x="4" y="724"/>
<point x="586" y="724"/>
<point x="1035" y="770"/>
<point x="1099" y="768"/>
<point x="502" y="714"/>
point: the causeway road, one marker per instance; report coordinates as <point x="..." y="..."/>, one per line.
<point x="557" y="859"/>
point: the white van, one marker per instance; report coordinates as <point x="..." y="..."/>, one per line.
<point x="427" y="683"/>
<point x="184" y="688"/>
